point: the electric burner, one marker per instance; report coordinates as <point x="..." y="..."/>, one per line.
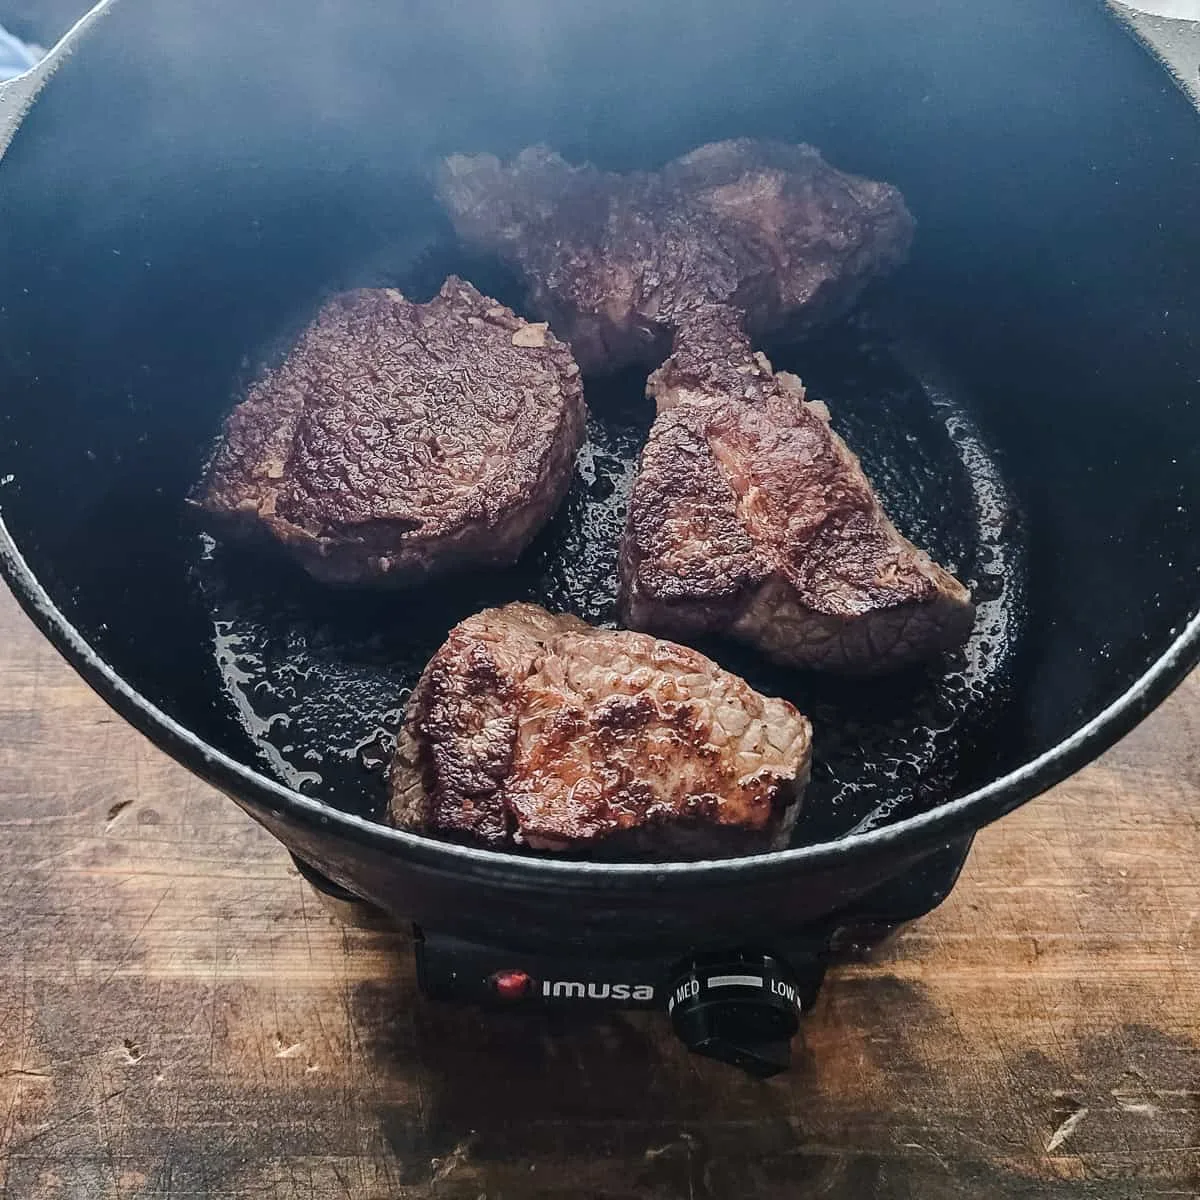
<point x="740" y="1005"/>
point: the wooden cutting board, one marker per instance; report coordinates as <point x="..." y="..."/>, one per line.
<point x="180" y="1016"/>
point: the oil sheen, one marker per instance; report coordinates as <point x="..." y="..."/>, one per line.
<point x="318" y="678"/>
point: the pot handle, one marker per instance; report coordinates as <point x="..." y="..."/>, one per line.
<point x="18" y="94"/>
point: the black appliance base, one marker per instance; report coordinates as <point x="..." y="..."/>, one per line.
<point x="738" y="1004"/>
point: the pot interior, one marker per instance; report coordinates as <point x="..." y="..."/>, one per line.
<point x="1024" y="393"/>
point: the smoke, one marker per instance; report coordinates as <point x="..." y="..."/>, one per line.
<point x="619" y="80"/>
<point x="285" y="147"/>
<point x="344" y="108"/>
<point x="389" y="86"/>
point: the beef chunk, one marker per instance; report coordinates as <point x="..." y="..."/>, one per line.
<point x="615" y="262"/>
<point x="751" y="518"/>
<point x="531" y="730"/>
<point x="398" y="440"/>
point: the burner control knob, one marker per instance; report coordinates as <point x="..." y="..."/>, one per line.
<point x="742" y="1009"/>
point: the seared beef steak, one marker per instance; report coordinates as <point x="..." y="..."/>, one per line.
<point x="751" y="517"/>
<point x="398" y="440"/>
<point x="616" y="262"/>
<point x="531" y="730"/>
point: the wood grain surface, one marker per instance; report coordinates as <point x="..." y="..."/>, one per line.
<point x="180" y="1016"/>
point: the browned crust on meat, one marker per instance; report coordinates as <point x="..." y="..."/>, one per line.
<point x="399" y="439"/>
<point x="616" y="262"/>
<point x="535" y="731"/>
<point x="751" y="517"/>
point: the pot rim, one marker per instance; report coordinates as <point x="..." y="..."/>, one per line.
<point x="250" y="787"/>
<point x="955" y="817"/>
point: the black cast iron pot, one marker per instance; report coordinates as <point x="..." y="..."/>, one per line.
<point x="195" y="177"/>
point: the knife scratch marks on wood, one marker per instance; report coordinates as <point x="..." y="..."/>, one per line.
<point x="458" y="1157"/>
<point x="1135" y="1095"/>
<point x="133" y="941"/>
<point x="288" y="1049"/>
<point x="115" y="811"/>
<point x="931" y="1152"/>
<point x="1067" y="1127"/>
<point x="1131" y="1104"/>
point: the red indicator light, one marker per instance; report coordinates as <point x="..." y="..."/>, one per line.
<point x="511" y="985"/>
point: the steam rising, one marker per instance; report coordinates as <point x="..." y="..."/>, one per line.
<point x="626" y="82"/>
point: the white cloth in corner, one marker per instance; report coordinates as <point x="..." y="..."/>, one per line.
<point x="16" y="57"/>
<point x="1177" y="10"/>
